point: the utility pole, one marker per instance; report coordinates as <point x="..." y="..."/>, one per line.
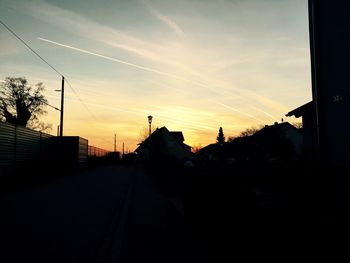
<point x="115" y="142"/>
<point x="62" y="103"/>
<point x="123" y="149"/>
<point x="58" y="130"/>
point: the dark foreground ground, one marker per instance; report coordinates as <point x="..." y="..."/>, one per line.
<point x="108" y="214"/>
<point x="165" y="213"/>
<point x="266" y="211"/>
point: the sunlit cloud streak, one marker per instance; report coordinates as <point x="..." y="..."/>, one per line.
<point x="146" y="69"/>
<point x="142" y="68"/>
<point x="115" y="38"/>
<point x="240" y="112"/>
<point x="74" y="22"/>
<point x="191" y="125"/>
<point x="110" y="58"/>
<point x="129" y="64"/>
<point x="163" y="18"/>
<point x="180" y="120"/>
<point x="264" y="112"/>
<point x="77" y="24"/>
<point x="191" y="60"/>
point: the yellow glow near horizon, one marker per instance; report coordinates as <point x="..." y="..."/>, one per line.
<point x="194" y="66"/>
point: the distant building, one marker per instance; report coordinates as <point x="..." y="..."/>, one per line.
<point x="277" y="142"/>
<point x="163" y="144"/>
<point x="306" y="111"/>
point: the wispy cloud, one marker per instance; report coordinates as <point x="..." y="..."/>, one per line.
<point x="126" y="63"/>
<point x="77" y="24"/>
<point x="108" y="58"/>
<point x="240" y="112"/>
<point x="183" y="118"/>
<point x="147" y="69"/>
<point x="216" y="74"/>
<point x="165" y="19"/>
<point x="156" y="52"/>
<point x="264" y="112"/>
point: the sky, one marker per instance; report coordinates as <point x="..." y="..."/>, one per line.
<point x="194" y="65"/>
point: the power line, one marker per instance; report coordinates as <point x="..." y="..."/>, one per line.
<point x="52" y="67"/>
<point x="20" y="39"/>
<point x="82" y="102"/>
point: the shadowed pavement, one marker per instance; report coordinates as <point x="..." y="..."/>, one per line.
<point x="110" y="214"/>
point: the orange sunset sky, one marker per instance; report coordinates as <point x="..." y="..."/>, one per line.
<point x="193" y="65"/>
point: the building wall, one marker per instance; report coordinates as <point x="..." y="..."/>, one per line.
<point x="296" y="138"/>
<point x="330" y="57"/>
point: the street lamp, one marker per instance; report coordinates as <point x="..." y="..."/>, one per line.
<point x="150" y="122"/>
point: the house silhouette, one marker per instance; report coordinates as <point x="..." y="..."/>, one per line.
<point x="280" y="141"/>
<point x="163" y="144"/>
<point x="307" y="113"/>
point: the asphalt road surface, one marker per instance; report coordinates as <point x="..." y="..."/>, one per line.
<point x="110" y="214"/>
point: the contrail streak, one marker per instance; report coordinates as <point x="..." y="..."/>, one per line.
<point x="163" y="18"/>
<point x="241" y="112"/>
<point x="126" y="63"/>
<point x="266" y="113"/>
<point x="149" y="70"/>
<point x="108" y="58"/>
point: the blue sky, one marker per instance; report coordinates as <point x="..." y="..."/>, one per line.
<point x="193" y="65"/>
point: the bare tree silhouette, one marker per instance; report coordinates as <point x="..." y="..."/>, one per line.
<point x="21" y="103"/>
<point x="250" y="131"/>
<point x="143" y="134"/>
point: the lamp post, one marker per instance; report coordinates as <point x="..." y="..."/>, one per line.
<point x="150" y="122"/>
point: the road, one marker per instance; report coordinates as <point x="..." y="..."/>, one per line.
<point x="110" y="214"/>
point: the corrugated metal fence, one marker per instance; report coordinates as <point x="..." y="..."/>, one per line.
<point x="19" y="145"/>
<point x="97" y="152"/>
